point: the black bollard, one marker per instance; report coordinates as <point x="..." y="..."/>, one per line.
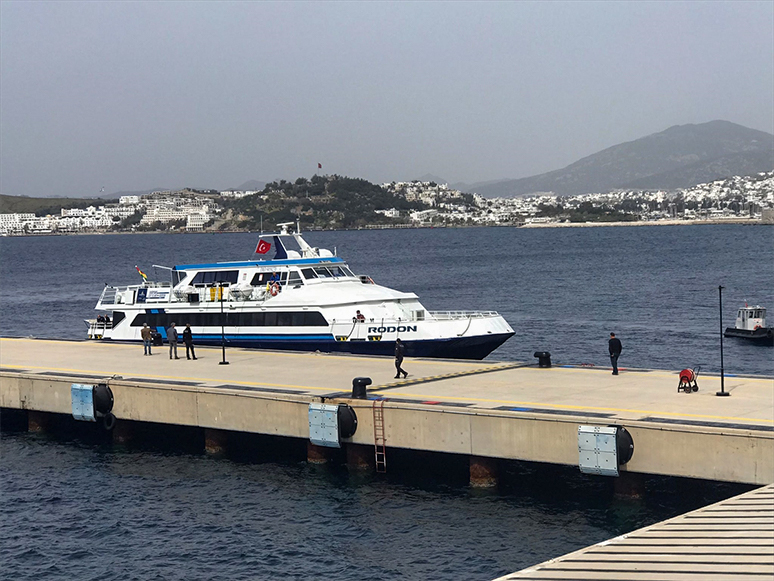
<point x="544" y="358"/>
<point x="359" y="387"/>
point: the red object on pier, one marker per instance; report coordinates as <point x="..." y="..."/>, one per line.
<point x="688" y="380"/>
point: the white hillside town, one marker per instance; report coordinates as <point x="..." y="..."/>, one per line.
<point x="187" y="209"/>
<point x="748" y="198"/>
<point x="739" y="198"/>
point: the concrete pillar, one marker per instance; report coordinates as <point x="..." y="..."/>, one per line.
<point x="316" y="454"/>
<point x="123" y="432"/>
<point x="215" y="441"/>
<point x="360" y="457"/>
<point x="629" y="485"/>
<point x="37" y="421"/>
<point x="483" y="472"/>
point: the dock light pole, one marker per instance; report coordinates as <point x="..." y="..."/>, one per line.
<point x="222" y="326"/>
<point x="722" y="391"/>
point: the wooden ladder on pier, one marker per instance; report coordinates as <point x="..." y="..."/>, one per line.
<point x="380" y="449"/>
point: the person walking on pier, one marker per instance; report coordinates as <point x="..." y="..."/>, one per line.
<point x="172" y="336"/>
<point x="188" y="340"/>
<point x="145" y="333"/>
<point x="399" y="350"/>
<point x="614" y="347"/>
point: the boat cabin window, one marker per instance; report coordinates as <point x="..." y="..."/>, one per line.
<point x="260" y="319"/>
<point x="340" y="271"/>
<point x="326" y="272"/>
<point x="264" y="278"/>
<point x="757" y="314"/>
<point x="294" y="278"/>
<point x="322" y="272"/>
<point x="331" y="271"/>
<point x="213" y="276"/>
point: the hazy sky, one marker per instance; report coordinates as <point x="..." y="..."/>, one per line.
<point x="139" y="95"/>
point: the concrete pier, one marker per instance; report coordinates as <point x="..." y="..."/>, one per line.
<point x="485" y="410"/>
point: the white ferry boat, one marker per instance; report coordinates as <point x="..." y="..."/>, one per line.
<point x="302" y="299"/>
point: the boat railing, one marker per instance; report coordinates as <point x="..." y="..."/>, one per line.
<point x="108" y="296"/>
<point x="97" y="328"/>
<point x="453" y="315"/>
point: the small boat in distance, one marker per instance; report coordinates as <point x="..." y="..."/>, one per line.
<point x="751" y="325"/>
<point x="300" y="299"/>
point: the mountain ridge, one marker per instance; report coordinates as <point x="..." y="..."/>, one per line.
<point x="678" y="157"/>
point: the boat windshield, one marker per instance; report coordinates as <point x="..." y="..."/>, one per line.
<point x="330" y="271"/>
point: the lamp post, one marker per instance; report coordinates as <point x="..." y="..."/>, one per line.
<point x="222" y="326"/>
<point x="722" y="391"/>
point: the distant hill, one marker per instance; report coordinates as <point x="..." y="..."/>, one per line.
<point x="680" y="157"/>
<point x="251" y="186"/>
<point x="44" y="206"/>
<point x="428" y="177"/>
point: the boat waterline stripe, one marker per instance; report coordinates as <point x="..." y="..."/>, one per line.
<point x="326" y="338"/>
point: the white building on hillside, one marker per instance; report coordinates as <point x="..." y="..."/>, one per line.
<point x="391" y="213"/>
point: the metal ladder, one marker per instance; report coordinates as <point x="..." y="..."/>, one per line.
<point x="380" y="450"/>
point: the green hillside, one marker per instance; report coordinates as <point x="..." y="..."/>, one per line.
<point x="44" y="206"/>
<point x="322" y="201"/>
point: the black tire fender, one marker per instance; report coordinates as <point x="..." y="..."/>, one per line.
<point x="109" y="421"/>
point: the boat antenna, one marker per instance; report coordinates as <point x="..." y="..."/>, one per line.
<point x="298" y="225"/>
<point x="261" y="223"/>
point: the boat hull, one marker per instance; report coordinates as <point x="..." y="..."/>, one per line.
<point x="446" y="337"/>
<point x="762" y="336"/>
<point x="474" y="347"/>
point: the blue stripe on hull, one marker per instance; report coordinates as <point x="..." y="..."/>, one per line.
<point x="453" y="348"/>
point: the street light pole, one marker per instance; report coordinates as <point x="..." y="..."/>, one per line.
<point x="722" y="391"/>
<point x="222" y="326"/>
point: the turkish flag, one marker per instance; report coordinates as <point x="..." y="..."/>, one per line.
<point x="319" y="166"/>
<point x="263" y="247"/>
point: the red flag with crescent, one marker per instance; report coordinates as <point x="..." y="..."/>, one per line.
<point x="263" y="247"/>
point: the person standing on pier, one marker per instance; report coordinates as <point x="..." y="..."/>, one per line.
<point x="188" y="340"/>
<point x="614" y="347"/>
<point x="399" y="350"/>
<point x="145" y="333"/>
<point x="172" y="336"/>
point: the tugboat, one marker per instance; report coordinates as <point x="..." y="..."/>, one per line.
<point x="751" y="325"/>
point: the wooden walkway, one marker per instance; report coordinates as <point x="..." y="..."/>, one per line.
<point x="733" y="539"/>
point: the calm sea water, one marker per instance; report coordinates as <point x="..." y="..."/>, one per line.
<point x="75" y="508"/>
<point x="562" y="289"/>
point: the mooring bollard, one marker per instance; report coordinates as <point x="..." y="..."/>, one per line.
<point x="359" y="387"/>
<point x="544" y="358"/>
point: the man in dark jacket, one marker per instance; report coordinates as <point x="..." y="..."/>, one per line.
<point x="399" y="350"/>
<point x="188" y="340"/>
<point x="614" y="347"/>
<point x="172" y="338"/>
